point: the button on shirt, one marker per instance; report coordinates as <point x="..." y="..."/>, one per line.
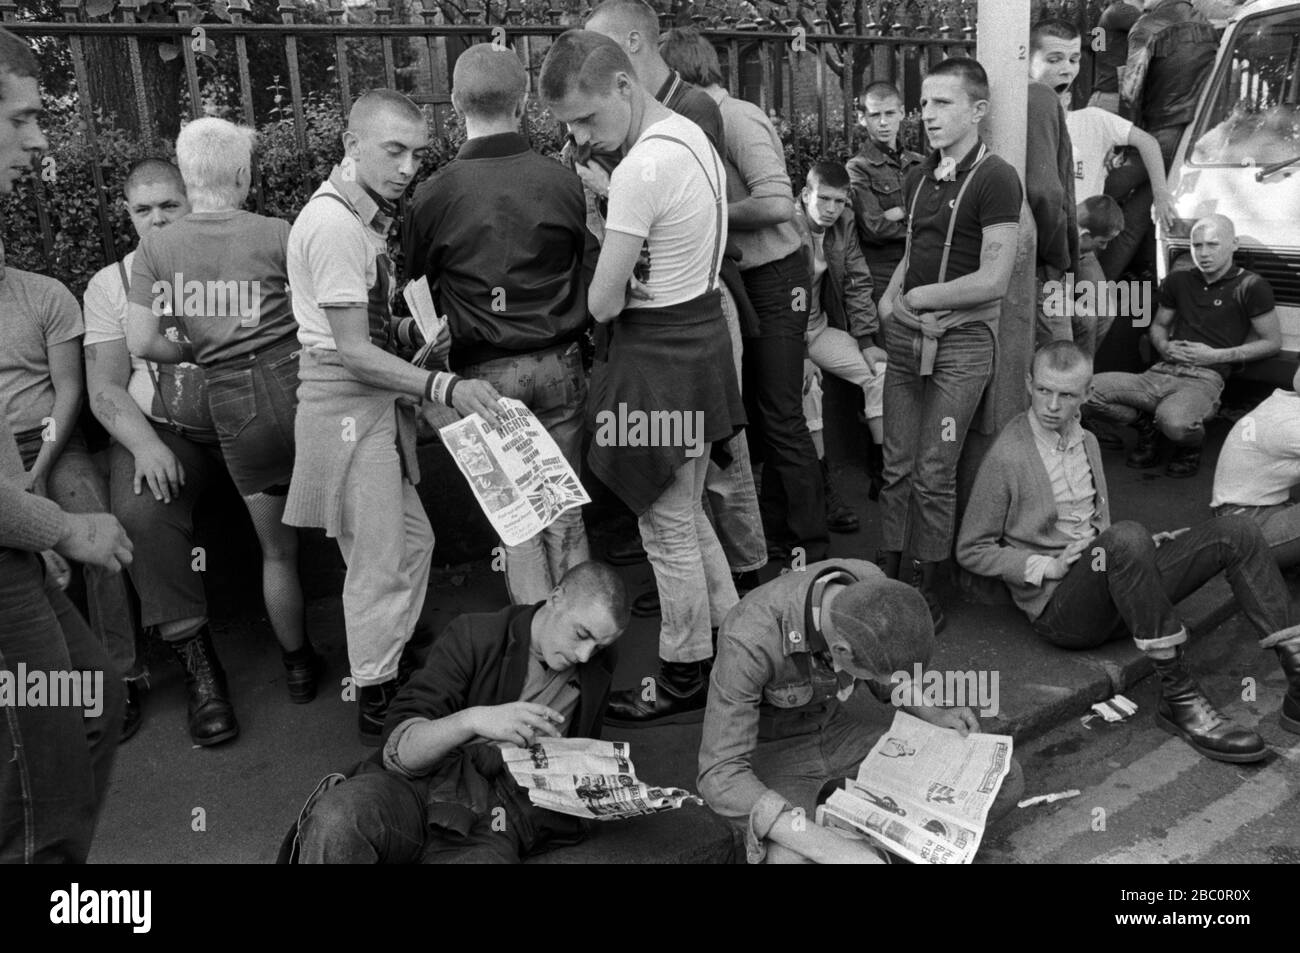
<point x="1066" y="462"/>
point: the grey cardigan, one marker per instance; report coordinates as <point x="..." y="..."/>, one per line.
<point x="1011" y="514"/>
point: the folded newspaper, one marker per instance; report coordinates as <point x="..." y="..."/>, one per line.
<point x="923" y="792"/>
<point x="587" y="778"/>
<point x="518" y="475"/>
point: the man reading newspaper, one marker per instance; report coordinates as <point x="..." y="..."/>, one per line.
<point x="784" y="717"/>
<point x="438" y="790"/>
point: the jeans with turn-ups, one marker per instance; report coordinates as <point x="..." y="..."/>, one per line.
<point x="1280" y="524"/>
<point x="1124" y="584"/>
<point x="691" y="571"/>
<point x="387" y="543"/>
<point x="1182" y="398"/>
<point x="553" y="385"/>
<point x="926" y="420"/>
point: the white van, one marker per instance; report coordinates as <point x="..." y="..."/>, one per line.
<point x="1241" y="157"/>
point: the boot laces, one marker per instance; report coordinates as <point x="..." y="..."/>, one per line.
<point x="196" y="660"/>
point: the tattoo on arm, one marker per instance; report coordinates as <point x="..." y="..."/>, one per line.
<point x="108" y="409"/>
<point x="991" y="253"/>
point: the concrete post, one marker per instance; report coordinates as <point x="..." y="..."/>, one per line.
<point x="1002" y="47"/>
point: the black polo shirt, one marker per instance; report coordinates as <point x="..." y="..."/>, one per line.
<point x="994" y="198"/>
<point x="1217" y="314"/>
<point x="501" y="234"/>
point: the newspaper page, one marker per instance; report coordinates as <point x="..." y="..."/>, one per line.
<point x="924" y="792"/>
<point x="587" y="778"/>
<point x="518" y="475"/>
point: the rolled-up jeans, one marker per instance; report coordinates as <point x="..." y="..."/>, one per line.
<point x="691" y="571"/>
<point x="730" y="497"/>
<point x="553" y="385"/>
<point x="926" y="420"/>
<point x="55" y="760"/>
<point x="77" y="484"/>
<point x="1123" y="584"/>
<point x="1182" y="398"/>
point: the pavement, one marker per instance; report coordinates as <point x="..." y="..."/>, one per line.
<point x="170" y="802"/>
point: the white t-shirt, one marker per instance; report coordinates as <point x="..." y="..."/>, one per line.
<point x="1260" y="459"/>
<point x="661" y="193"/>
<point x="1094" y="133"/>
<point x="332" y="261"/>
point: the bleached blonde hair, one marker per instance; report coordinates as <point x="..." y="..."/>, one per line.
<point x="211" y="152"/>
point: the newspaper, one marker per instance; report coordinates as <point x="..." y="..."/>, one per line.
<point x="587" y="778"/>
<point x="518" y="475"/>
<point x="923" y="792"/>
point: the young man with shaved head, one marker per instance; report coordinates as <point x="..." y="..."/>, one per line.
<point x="356" y="470"/>
<point x="669" y="353"/>
<point x="1210" y="320"/>
<point x="1039" y="519"/>
<point x="500" y="233"/>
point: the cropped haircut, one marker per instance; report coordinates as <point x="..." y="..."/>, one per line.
<point x="686" y="50"/>
<point x="973" y="78"/>
<point x="149" y="170"/>
<point x="1060" y="356"/>
<point x="634" y="14"/>
<point x="830" y="174"/>
<point x="1054" y="27"/>
<point x="488" y="82"/>
<point x="882" y="90"/>
<point x="1101" y="215"/>
<point x="594" y="582"/>
<point x="584" y="59"/>
<point x="210" y="153"/>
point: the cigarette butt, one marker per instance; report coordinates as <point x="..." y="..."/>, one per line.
<point x="1049" y="798"/>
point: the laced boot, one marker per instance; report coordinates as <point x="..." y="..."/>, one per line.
<point x="1147" y="452"/>
<point x="1184" y="710"/>
<point x="210" y="714"/>
<point x="840" y="517"/>
<point x="889" y="561"/>
<point x="372" y="710"/>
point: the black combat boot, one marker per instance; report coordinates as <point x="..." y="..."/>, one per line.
<point x="924" y="578"/>
<point x="372" y="710"/>
<point x="301" y="669"/>
<point x="1184" y="710"/>
<point x="1185" y="462"/>
<point x="840" y="517"/>
<point x="1147" y="452"/>
<point x="211" y="716"/>
<point x="1288" y="653"/>
<point x="677" y="695"/>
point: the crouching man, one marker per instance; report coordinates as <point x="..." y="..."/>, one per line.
<point x="1039" y="519"/>
<point x="438" y="790"/>
<point x="784" y="718"/>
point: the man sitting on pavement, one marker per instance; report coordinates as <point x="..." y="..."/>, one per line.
<point x="435" y="791"/>
<point x="784" y="716"/>
<point x="1258" y="466"/>
<point x="1039" y="519"/>
<point x="842" y="324"/>
<point x="1208" y="320"/>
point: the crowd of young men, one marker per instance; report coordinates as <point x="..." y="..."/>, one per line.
<point x="672" y="228"/>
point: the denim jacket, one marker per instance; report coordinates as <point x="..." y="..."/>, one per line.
<point x="877" y="179"/>
<point x="767" y="684"/>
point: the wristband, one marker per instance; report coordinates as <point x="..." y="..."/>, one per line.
<point x="440" y="386"/>
<point x="428" y="385"/>
<point x="451" y="388"/>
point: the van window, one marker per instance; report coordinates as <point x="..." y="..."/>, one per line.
<point x="1254" y="106"/>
